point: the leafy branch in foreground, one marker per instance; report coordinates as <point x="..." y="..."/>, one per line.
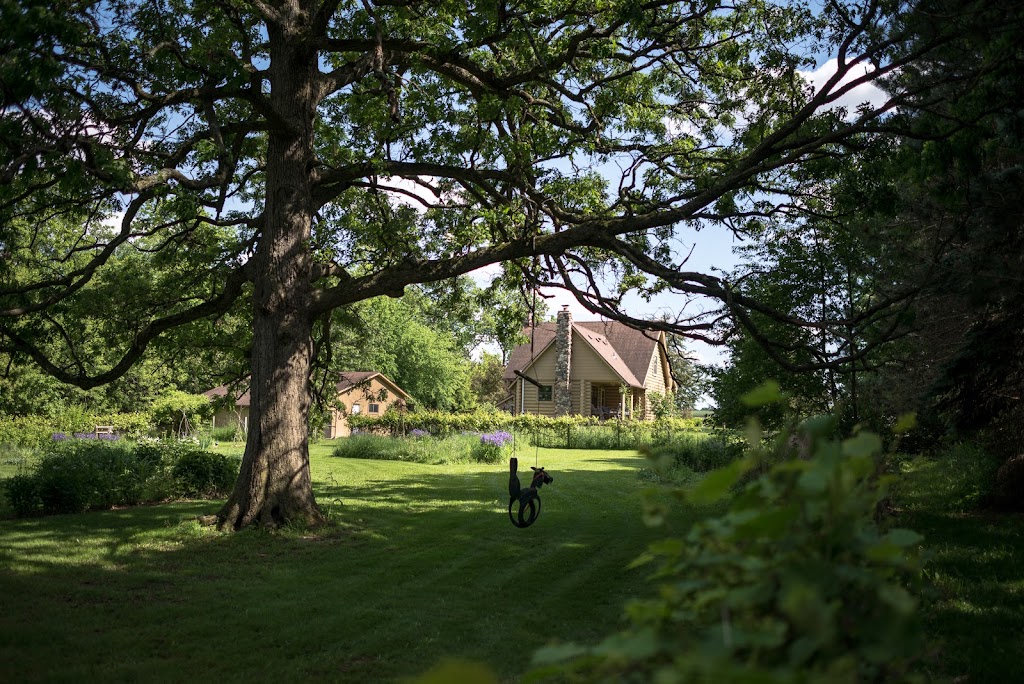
<point x="794" y="582"/>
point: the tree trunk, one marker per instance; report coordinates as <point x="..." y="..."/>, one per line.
<point x="274" y="485"/>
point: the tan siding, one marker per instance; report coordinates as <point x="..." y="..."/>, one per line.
<point x="543" y="369"/>
<point x="229" y="418"/>
<point x="655" y="380"/>
<point x="587" y="364"/>
<point x="541" y="408"/>
<point x="363" y="397"/>
<point x="577" y="397"/>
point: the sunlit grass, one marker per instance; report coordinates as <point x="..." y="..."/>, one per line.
<point x="420" y="563"/>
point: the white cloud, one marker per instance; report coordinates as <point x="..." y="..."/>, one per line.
<point x="865" y="93"/>
<point x="556" y="299"/>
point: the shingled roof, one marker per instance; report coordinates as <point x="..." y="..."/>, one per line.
<point x="347" y="381"/>
<point x="626" y="350"/>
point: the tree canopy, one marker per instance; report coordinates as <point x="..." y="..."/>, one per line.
<point x="200" y="161"/>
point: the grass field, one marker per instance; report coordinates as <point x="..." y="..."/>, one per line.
<point x="421" y="564"/>
<point x="973" y="607"/>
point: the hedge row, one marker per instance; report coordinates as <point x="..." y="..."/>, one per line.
<point x="77" y="475"/>
<point x="439" y="424"/>
<point x="36" y="432"/>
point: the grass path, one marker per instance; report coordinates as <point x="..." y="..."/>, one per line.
<point x="421" y="564"/>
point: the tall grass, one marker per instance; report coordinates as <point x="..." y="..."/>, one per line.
<point x="429" y="450"/>
<point x="624" y="435"/>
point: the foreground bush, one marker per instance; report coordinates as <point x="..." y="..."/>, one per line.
<point x="77" y="475"/>
<point x="795" y="582"/>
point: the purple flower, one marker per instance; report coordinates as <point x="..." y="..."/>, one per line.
<point x="498" y="439"/>
<point x="58" y="436"/>
<point x="84" y="435"/>
<point x="418" y="433"/>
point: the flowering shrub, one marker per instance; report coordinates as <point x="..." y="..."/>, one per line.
<point x="493" y="447"/>
<point x="103" y="437"/>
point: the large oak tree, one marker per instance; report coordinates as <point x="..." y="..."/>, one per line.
<point x="579" y="143"/>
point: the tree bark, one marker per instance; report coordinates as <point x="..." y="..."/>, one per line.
<point x="274" y="485"/>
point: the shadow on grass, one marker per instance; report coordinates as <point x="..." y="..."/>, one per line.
<point x="413" y="568"/>
<point x="975" y="609"/>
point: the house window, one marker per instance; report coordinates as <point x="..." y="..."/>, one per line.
<point x="356" y="409"/>
<point x="374" y="408"/>
<point x="544" y="393"/>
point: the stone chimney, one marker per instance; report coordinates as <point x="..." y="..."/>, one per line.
<point x="561" y="393"/>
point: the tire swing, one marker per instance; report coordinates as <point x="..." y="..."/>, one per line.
<point x="528" y="498"/>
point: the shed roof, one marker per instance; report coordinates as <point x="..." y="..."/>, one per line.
<point x="348" y="381"/>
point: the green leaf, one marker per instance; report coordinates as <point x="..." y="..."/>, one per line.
<point x="458" y="671"/>
<point x="772" y="524"/>
<point x="905" y="423"/>
<point x="903" y="537"/>
<point x="717" y="483"/>
<point x="897" y="597"/>
<point x="814" y="480"/>
<point x="767" y="393"/>
<point x="863" y="444"/>
<point x="637" y="645"/>
<point x="555" y="653"/>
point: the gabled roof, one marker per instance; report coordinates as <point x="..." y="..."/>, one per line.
<point x="349" y="381"/>
<point x="627" y="351"/>
<point x="222" y="391"/>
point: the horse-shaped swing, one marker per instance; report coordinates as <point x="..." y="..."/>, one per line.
<point x="528" y="498"/>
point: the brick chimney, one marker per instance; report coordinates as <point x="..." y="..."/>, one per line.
<point x="562" y="391"/>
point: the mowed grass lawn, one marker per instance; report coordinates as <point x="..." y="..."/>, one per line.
<point x="421" y="564"/>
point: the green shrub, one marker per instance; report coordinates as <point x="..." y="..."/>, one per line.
<point x="74" y="475"/>
<point x="128" y="425"/>
<point x="23" y="495"/>
<point x="37" y="432"/>
<point x="64" y="486"/>
<point x="203" y="474"/>
<point x="794" y="582"/>
<point x="179" y="413"/>
<point x="698" y="451"/>
<point x="562" y="432"/>
<point x="34" y="432"/>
